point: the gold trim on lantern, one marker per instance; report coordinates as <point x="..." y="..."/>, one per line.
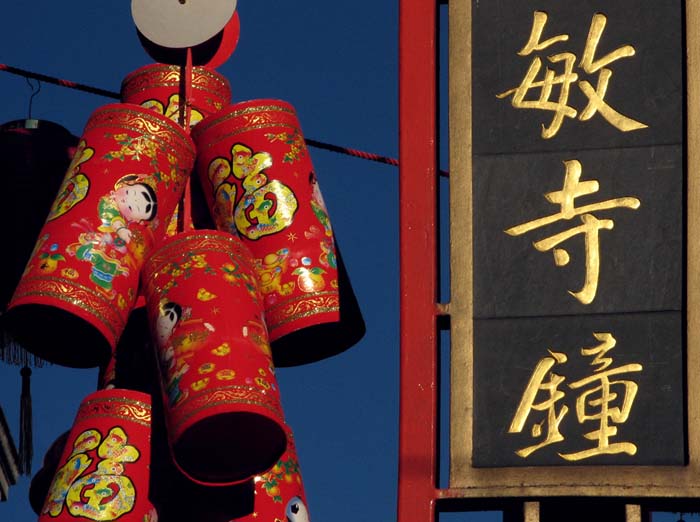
<point x="76" y="294"/>
<point x="206" y="400"/>
<point x="196" y="242"/>
<point x="130" y="410"/>
<point x="302" y="307"/>
<point x="154" y="76"/>
<point x="273" y="114"/>
<point x="168" y="134"/>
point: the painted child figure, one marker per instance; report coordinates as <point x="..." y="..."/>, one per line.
<point x="131" y="201"/>
<point x="118" y="244"/>
<point x="169" y="315"/>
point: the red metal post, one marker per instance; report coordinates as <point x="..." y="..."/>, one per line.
<point x="418" y="260"/>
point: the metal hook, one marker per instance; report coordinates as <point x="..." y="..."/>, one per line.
<point x="35" y="91"/>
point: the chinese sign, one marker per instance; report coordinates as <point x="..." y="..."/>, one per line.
<point x="578" y="227"/>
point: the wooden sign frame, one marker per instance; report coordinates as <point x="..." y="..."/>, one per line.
<point x="610" y="481"/>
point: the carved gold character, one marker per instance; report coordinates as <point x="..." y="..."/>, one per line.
<point x="597" y="403"/>
<point x="589" y="64"/>
<point x="590" y="225"/>
<point x="538" y="386"/>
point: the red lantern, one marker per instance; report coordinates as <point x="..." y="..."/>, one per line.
<point x="34" y="157"/>
<point x="103" y="473"/>
<point x="258" y="179"/>
<point x="222" y="404"/>
<point x="158" y="87"/>
<point x="81" y="282"/>
<point x="279" y="493"/>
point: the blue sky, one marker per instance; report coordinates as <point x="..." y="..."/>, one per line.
<point x="337" y="63"/>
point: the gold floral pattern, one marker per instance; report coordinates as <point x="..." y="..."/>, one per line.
<point x="167" y="135"/>
<point x="247" y="116"/>
<point x="301" y="307"/>
<point x="88" y="301"/>
<point x="229" y="395"/>
<point x="155" y="76"/>
<point x="131" y="410"/>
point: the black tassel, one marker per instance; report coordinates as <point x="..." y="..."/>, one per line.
<point x="26" y="449"/>
<point x="12" y="353"/>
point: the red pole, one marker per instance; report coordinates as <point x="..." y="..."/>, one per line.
<point x="418" y="261"/>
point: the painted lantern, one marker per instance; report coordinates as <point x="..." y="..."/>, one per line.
<point x="81" y="281"/>
<point x="259" y="182"/>
<point x="159" y="87"/>
<point x="103" y="473"/>
<point x="222" y="404"/>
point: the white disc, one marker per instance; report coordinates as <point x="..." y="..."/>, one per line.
<point x="181" y="23"/>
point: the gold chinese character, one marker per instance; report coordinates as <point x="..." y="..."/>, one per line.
<point x="600" y="400"/>
<point x="548" y="404"/>
<point x="590" y="225"/>
<point x="588" y="64"/>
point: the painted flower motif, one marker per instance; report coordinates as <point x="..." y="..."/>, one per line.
<point x="230" y="272"/>
<point x="200" y="384"/>
<point x="222" y="350"/>
<point x="49" y="261"/>
<point x="297" y="146"/>
<point x="204" y="295"/>
<point x="262" y="383"/>
<point x="285" y="470"/>
<point x="225" y="375"/>
<point x="70" y="273"/>
<point x="199" y="260"/>
<point x="206" y="368"/>
<point x="310" y="279"/>
<point x="121" y="302"/>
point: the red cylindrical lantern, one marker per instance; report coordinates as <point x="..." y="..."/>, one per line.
<point x="279" y="493"/>
<point x="222" y="404"/>
<point x="158" y="87"/>
<point x="34" y="156"/>
<point x="79" y="286"/>
<point x="103" y="474"/>
<point x="259" y="182"/>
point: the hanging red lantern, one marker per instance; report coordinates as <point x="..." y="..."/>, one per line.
<point x="34" y="156"/>
<point x="259" y="182"/>
<point x="81" y="281"/>
<point x="159" y="87"/>
<point x="103" y="473"/>
<point x="222" y="403"/>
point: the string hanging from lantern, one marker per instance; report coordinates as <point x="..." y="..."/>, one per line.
<point x="115" y="95"/>
<point x="26" y="445"/>
<point x="34" y="93"/>
<point x="185" y="214"/>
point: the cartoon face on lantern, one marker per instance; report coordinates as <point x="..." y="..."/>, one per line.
<point x="168" y="317"/>
<point x="136" y="202"/>
<point x="118" y="243"/>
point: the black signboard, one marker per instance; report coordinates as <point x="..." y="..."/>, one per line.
<point x="578" y="233"/>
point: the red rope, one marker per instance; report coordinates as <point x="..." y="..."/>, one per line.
<point x="111" y="94"/>
<point x="56" y="81"/>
